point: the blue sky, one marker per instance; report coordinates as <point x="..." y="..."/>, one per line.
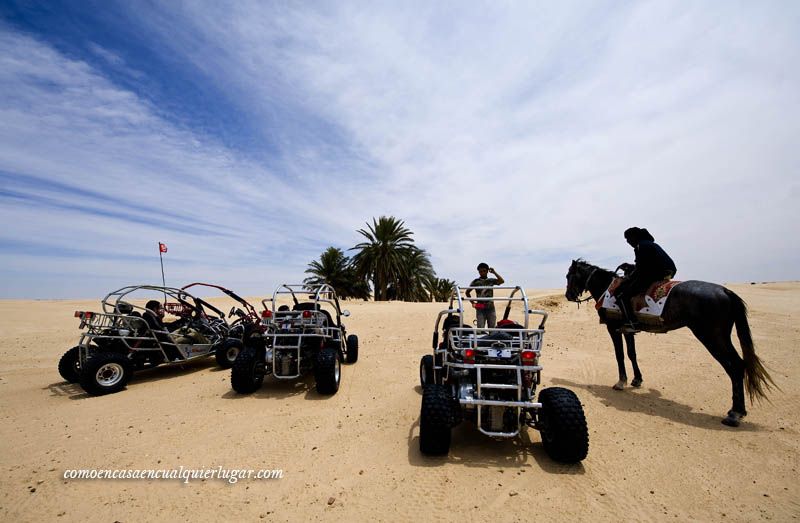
<point x="252" y="136"/>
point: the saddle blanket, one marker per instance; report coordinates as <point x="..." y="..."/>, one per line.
<point x="650" y="303"/>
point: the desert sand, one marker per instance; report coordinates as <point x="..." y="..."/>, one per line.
<point x="656" y="453"/>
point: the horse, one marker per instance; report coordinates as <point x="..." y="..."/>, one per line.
<point x="709" y="310"/>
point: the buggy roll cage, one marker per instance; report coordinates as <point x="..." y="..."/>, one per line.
<point x="322" y="293"/>
<point x="251" y="311"/>
<point x="456" y="306"/>
<point x="111" y="303"/>
<point x="122" y="321"/>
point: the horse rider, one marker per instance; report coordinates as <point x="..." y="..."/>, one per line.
<point x="652" y="264"/>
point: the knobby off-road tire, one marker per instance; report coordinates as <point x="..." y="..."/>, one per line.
<point x="352" y="348"/>
<point x="426" y="370"/>
<point x="227" y="352"/>
<point x="248" y="371"/>
<point x="327" y="371"/>
<point x="563" y="425"/>
<point x="435" y="420"/>
<point x="69" y="366"/>
<point x="106" y="373"/>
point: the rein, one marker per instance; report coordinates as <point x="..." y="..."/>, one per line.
<point x="586" y="289"/>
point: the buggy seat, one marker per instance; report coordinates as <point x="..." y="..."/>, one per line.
<point x="311" y="306"/>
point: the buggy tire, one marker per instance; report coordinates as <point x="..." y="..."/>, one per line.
<point x="562" y="423"/>
<point x="352" y="348"/>
<point x="227" y="352"/>
<point x="435" y="420"/>
<point x="69" y="366"/>
<point x="106" y="373"/>
<point x="426" y="370"/>
<point x="248" y="371"/>
<point x="327" y="371"/>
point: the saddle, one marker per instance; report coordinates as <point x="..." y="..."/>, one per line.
<point x="647" y="307"/>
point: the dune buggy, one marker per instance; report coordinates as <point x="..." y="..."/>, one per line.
<point x="301" y="337"/>
<point x="119" y="340"/>
<point x="489" y="376"/>
<point x="246" y="325"/>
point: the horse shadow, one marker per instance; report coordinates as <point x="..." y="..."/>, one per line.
<point x="650" y="401"/>
<point x="470" y="448"/>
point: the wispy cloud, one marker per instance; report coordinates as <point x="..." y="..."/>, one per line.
<point x="521" y="136"/>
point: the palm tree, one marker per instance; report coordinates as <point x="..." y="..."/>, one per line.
<point x="334" y="268"/>
<point x="383" y="257"/>
<point x="440" y="289"/>
<point x="417" y="271"/>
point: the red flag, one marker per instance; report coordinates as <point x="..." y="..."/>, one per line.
<point x="162" y="247"/>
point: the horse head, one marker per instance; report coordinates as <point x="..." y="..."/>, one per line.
<point x="577" y="275"/>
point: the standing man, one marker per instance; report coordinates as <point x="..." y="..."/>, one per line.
<point x="484" y="310"/>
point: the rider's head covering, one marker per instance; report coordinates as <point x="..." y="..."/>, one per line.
<point x="634" y="235"/>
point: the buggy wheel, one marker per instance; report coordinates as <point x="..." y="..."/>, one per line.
<point x="69" y="366"/>
<point x="352" y="348"/>
<point x="435" y="420"/>
<point x="563" y="425"/>
<point x="248" y="371"/>
<point x="106" y="373"/>
<point x="227" y="352"/>
<point x="328" y="371"/>
<point x="426" y="370"/>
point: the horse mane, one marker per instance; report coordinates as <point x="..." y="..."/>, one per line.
<point x="591" y="265"/>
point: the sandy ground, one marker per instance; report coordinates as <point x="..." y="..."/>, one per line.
<point x="656" y="453"/>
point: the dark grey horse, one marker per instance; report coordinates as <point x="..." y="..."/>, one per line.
<point x="709" y="310"/>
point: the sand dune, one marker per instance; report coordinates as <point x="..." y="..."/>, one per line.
<point x="656" y="453"/>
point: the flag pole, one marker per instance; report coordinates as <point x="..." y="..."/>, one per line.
<point x="163" y="280"/>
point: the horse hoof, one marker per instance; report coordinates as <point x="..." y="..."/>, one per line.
<point x="731" y="421"/>
<point x="620" y="385"/>
<point x="733" y="418"/>
<point x="636" y="382"/>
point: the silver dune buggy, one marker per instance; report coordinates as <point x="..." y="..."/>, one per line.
<point x="490" y="376"/>
<point x="300" y="337"/>
<point x="119" y="340"/>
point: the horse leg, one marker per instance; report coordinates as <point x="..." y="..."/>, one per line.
<point x="720" y="346"/>
<point x="616" y="338"/>
<point x="630" y="341"/>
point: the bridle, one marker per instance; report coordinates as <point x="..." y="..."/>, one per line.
<point x="586" y="289"/>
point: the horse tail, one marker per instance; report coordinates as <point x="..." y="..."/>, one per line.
<point x="757" y="379"/>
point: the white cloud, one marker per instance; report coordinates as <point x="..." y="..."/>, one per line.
<point x="522" y="135"/>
